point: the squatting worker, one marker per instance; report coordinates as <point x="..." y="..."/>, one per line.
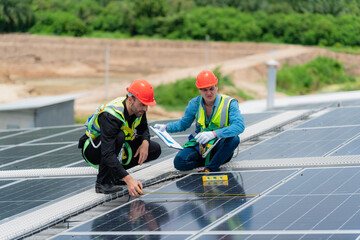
<point x="117" y="138"/>
<point x="217" y="118"/>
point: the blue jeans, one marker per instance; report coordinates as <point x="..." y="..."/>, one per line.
<point x="189" y="158"/>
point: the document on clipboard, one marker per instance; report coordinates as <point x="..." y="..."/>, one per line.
<point x="167" y="139"/>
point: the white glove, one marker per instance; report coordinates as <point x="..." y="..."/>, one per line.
<point x="160" y="127"/>
<point x="204" y="137"/>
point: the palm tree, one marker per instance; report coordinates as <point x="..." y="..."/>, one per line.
<point x="16" y="14"/>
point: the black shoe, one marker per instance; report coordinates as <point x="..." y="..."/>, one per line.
<point x="107" y="188"/>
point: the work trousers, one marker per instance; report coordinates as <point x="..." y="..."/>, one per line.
<point x="190" y="158"/>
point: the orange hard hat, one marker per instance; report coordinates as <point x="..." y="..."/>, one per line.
<point x="143" y="91"/>
<point x="206" y="79"/>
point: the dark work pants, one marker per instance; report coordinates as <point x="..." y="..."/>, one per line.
<point x="189" y="158"/>
<point x="109" y="167"/>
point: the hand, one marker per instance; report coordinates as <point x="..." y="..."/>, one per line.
<point x="160" y="127"/>
<point x="204" y="137"/>
<point x="134" y="186"/>
<point x="137" y="209"/>
<point x="143" y="152"/>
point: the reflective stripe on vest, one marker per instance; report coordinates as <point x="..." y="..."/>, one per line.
<point x="220" y="116"/>
<point x="115" y="108"/>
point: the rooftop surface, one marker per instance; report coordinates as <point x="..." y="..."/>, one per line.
<point x="295" y="176"/>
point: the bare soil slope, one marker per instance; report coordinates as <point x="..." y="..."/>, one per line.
<point x="41" y="65"/>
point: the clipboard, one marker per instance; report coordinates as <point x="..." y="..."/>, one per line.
<point x="167" y="139"/>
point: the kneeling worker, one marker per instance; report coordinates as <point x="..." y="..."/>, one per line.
<point x="111" y="143"/>
<point x="217" y="118"/>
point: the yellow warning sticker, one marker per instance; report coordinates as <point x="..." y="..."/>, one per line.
<point x="215" y="178"/>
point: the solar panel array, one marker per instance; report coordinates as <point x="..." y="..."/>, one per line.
<point x="310" y="203"/>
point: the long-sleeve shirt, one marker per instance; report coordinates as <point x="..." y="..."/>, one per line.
<point x="236" y="120"/>
<point x="110" y="128"/>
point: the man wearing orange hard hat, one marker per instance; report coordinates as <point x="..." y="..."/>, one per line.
<point x="217" y="127"/>
<point x="117" y="138"/>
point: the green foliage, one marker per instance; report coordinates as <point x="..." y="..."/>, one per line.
<point x="175" y="96"/>
<point x="59" y="23"/>
<point x="307" y="22"/>
<point x="15" y="15"/>
<point x="304" y="79"/>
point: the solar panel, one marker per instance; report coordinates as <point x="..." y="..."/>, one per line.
<point x="315" y="142"/>
<point x="9" y="132"/>
<point x="195" y="208"/>
<point x="63" y="157"/>
<point x="8" y="156"/>
<point x="253" y="118"/>
<point x="351" y="148"/>
<point x="27" y="194"/>
<point x="337" y="117"/>
<point x="72" y="136"/>
<point x="32" y="134"/>
<point x="323" y="200"/>
<point x="186" y="206"/>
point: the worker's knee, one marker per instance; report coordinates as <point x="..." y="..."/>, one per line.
<point x="154" y="150"/>
<point x="232" y="142"/>
<point x="179" y="163"/>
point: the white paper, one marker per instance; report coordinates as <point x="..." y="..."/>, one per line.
<point x="167" y="139"/>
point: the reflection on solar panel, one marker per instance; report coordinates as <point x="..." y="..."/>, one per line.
<point x="186" y="206"/>
<point x="307" y="203"/>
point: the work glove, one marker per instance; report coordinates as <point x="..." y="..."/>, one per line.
<point x="160" y="127"/>
<point x="204" y="137"/>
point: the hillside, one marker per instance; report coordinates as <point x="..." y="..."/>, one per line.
<point x="41" y="65"/>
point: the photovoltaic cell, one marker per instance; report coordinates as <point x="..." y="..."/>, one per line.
<point x="317" y="199"/>
<point x="73" y="136"/>
<point x="28" y="194"/>
<point x="118" y="237"/>
<point x="10" y="155"/>
<point x="300" y="143"/>
<point x="253" y="118"/>
<point x="9" y="132"/>
<point x="4" y="182"/>
<point x="279" y="236"/>
<point x="31" y="135"/>
<point x="190" y="204"/>
<point x="352" y="148"/>
<point x="337" y="117"/>
<point x="54" y="159"/>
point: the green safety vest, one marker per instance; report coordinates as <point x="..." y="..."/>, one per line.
<point x="219" y="119"/>
<point x="115" y="108"/>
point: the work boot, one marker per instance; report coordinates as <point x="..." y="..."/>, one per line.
<point x="107" y="188"/>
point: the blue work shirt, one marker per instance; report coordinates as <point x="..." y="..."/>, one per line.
<point x="236" y="120"/>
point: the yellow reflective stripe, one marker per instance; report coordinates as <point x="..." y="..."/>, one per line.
<point x="220" y="115"/>
<point x="224" y="112"/>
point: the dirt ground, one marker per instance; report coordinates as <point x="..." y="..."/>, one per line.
<point x="32" y="66"/>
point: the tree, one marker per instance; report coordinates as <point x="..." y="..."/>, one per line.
<point x="16" y="15"/>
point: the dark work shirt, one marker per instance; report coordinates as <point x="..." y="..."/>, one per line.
<point x="110" y="128"/>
